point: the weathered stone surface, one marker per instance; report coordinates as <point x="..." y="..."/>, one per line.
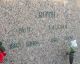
<point x="38" y="31"/>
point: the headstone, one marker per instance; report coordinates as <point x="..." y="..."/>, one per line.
<point x="37" y="31"/>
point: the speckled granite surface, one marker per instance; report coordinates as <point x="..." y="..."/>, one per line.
<point x="37" y="31"/>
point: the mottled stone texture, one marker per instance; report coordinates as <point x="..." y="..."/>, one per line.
<point x="38" y="31"/>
